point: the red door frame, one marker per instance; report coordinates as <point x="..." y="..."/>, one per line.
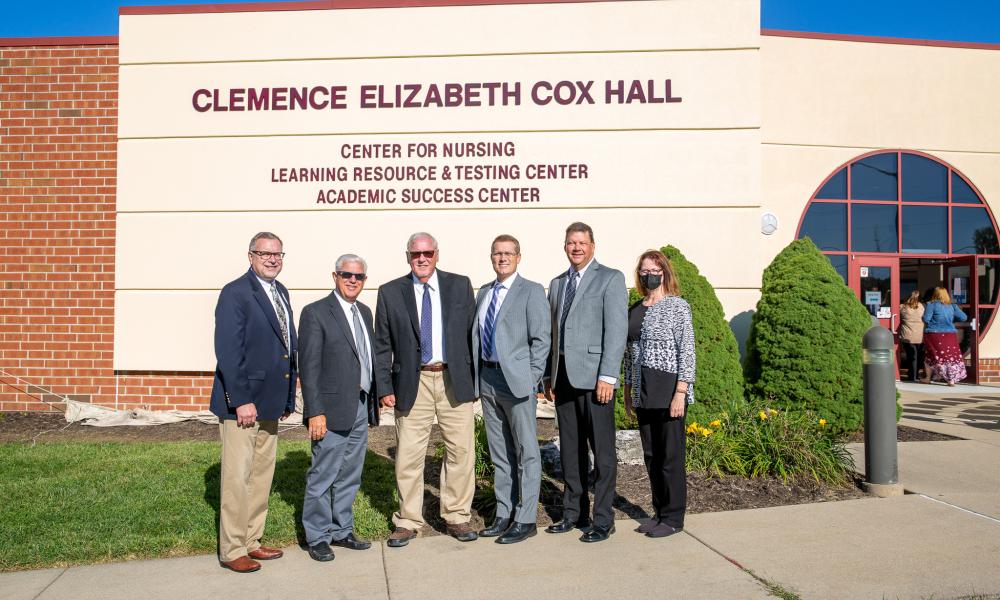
<point x="970" y="308"/>
<point x="854" y="264"/>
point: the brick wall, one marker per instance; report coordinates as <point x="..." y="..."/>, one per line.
<point x="58" y="127"/>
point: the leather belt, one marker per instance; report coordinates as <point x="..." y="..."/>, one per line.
<point x="434" y="367"/>
<point x="489" y="364"/>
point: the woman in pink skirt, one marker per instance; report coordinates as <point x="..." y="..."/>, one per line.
<point x="942" y="356"/>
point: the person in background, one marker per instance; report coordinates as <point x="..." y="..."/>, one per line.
<point x="911" y="333"/>
<point x="659" y="385"/>
<point x="942" y="356"/>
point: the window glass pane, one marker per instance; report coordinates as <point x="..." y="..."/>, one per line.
<point x="984" y="320"/>
<point x="839" y="262"/>
<point x="972" y="232"/>
<point x="924" y="180"/>
<point x="961" y="192"/>
<point x="925" y="229"/>
<point x="874" y="178"/>
<point x="873" y="228"/>
<point x="826" y="225"/>
<point x="989" y="280"/>
<point x="876" y="288"/>
<point x="835" y="188"/>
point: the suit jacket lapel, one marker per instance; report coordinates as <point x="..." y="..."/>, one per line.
<point x="512" y="293"/>
<point x="410" y="301"/>
<point x="341" y="320"/>
<point x="265" y="304"/>
<point x="584" y="283"/>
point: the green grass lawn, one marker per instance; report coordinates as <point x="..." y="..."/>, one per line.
<point x="63" y="504"/>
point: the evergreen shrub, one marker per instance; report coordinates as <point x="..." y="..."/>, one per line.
<point x="804" y="347"/>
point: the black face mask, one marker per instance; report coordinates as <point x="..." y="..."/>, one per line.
<point x="651" y="282"/>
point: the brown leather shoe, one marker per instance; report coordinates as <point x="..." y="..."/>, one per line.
<point x="462" y="532"/>
<point x="265" y="553"/>
<point x="243" y="564"/>
<point x="400" y="537"/>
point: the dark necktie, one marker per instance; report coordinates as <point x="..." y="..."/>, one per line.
<point x="426" y="328"/>
<point x="570" y="293"/>
<point x="359" y="339"/>
<point x="489" y="326"/>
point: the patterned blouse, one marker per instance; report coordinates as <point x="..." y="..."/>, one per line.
<point x="666" y="344"/>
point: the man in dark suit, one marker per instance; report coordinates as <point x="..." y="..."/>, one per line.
<point x="335" y="364"/>
<point x="423" y="369"/>
<point x="254" y="387"/>
<point x="589" y="310"/>
<point x="511" y="337"/>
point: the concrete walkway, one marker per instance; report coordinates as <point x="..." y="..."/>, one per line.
<point x="940" y="541"/>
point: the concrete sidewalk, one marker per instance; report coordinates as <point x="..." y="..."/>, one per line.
<point x="940" y="541"/>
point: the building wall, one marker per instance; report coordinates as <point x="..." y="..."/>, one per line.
<point x="58" y="135"/>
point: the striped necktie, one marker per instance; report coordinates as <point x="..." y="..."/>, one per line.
<point x="279" y="309"/>
<point x="489" y="327"/>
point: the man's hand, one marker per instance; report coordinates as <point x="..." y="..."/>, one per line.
<point x="547" y="383"/>
<point x="317" y="427"/>
<point x="627" y="392"/>
<point x="605" y="392"/>
<point x="388" y="401"/>
<point x="246" y="415"/>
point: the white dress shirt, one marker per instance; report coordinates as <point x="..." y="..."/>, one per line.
<point x="288" y="309"/>
<point x="437" y="326"/>
<point x="349" y="313"/>
<point x="485" y="308"/>
<point x="581" y="272"/>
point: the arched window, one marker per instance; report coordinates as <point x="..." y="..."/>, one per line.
<point x="906" y="204"/>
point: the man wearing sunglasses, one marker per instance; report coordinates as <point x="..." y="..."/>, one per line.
<point x="336" y="367"/>
<point x="254" y="387"/>
<point x="423" y="369"/>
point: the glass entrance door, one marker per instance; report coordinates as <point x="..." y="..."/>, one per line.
<point x="962" y="284"/>
<point x="875" y="279"/>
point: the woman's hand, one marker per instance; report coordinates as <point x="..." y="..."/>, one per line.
<point x="677" y="404"/>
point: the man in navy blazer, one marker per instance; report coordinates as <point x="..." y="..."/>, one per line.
<point x="254" y="387"/>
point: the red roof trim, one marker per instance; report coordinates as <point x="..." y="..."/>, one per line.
<point x="93" y="40"/>
<point x="877" y="40"/>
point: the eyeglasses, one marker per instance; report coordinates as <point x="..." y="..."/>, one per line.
<point x="415" y="254"/>
<point x="268" y="255"/>
<point x="503" y="254"/>
<point x="578" y="244"/>
<point x="345" y="275"/>
<point x="654" y="272"/>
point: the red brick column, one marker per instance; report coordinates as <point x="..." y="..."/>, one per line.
<point x="58" y="159"/>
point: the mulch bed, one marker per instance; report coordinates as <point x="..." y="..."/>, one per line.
<point x="705" y="494"/>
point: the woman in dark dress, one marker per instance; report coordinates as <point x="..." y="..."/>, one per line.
<point x="659" y="385"/>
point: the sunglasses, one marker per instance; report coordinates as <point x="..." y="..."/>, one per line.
<point x="414" y="254"/>
<point x="348" y="275"/>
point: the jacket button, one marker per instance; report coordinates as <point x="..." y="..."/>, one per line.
<point x="284" y="356"/>
<point x="286" y="375"/>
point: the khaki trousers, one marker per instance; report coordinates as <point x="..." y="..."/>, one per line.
<point x="248" y="455"/>
<point x="413" y="430"/>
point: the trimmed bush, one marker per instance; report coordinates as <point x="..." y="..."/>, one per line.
<point x="719" y="377"/>
<point x="756" y="440"/>
<point x="804" y="348"/>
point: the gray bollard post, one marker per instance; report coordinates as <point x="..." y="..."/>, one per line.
<point x="881" y="465"/>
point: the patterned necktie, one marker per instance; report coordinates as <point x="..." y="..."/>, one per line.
<point x="570" y="293"/>
<point x="426" y="328"/>
<point x="279" y="309"/>
<point x="489" y="327"/>
<point x="359" y="339"/>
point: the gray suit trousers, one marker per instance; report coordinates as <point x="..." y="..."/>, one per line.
<point x="333" y="481"/>
<point x="511" y="430"/>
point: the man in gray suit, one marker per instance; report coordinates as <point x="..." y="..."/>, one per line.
<point x="335" y="354"/>
<point x="589" y="311"/>
<point x="511" y="337"/>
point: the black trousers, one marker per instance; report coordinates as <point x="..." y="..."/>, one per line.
<point x="663" y="447"/>
<point x="914" y="357"/>
<point x="582" y="421"/>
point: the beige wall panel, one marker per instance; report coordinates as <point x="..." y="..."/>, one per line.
<point x="440" y="30"/>
<point x="718" y="89"/>
<point x="822" y="92"/>
<point x="622" y="169"/>
<point x="148" y="244"/>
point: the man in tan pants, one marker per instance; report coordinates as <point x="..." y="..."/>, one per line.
<point x="423" y="369"/>
<point x="254" y="387"/>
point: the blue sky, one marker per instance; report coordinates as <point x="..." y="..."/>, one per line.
<point x="954" y="20"/>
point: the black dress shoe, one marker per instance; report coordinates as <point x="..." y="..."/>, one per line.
<point x="518" y="532"/>
<point x="321" y="552"/>
<point x="566" y="526"/>
<point x="497" y="528"/>
<point x="352" y="543"/>
<point x="598" y="533"/>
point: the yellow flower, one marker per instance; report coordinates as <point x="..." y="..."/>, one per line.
<point x="772" y="412"/>
<point x="716" y="423"/>
<point x="763" y="416"/>
<point x="692" y="428"/>
<point x="706" y="432"/>
<point x="822" y="422"/>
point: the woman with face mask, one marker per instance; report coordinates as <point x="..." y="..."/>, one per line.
<point x="659" y="385"/>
